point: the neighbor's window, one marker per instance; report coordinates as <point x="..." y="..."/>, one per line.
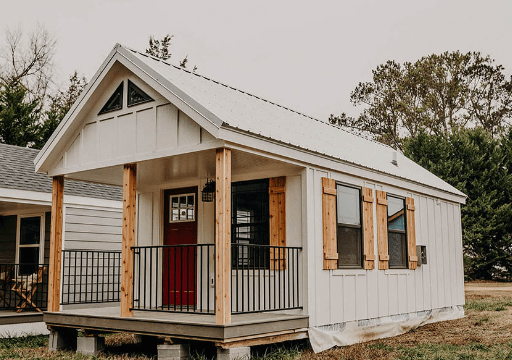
<point x="397" y="238"/>
<point x="250" y="222"/>
<point x="349" y="234"/>
<point x="29" y="246"/>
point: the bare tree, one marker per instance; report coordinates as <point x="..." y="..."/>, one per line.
<point x="28" y="60"/>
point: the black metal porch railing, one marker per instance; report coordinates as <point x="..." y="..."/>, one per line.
<point x="265" y="278"/>
<point x="23" y="287"/>
<point x="174" y="278"/>
<point x="91" y="276"/>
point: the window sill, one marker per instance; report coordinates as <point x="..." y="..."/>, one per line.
<point x="349" y="272"/>
<point x="398" y="272"/>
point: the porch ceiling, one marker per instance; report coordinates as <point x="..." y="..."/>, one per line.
<point x="7" y="207"/>
<point x="194" y="165"/>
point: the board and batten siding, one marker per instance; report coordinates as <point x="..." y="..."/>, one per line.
<point x="92" y="229"/>
<point x="146" y="131"/>
<point x="344" y="295"/>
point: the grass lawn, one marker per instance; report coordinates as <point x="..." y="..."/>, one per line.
<point x="485" y="333"/>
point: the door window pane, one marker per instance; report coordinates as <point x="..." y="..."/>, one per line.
<point x="182" y="208"/>
<point x="30" y="230"/>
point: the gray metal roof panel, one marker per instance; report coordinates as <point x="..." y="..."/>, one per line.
<point x="17" y="171"/>
<point x="253" y="114"/>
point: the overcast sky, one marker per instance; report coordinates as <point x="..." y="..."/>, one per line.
<point x="308" y="56"/>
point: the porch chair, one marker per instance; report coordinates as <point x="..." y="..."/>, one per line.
<point x="25" y="286"/>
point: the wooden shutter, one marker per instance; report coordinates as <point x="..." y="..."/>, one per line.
<point x="277" y="212"/>
<point x="329" y="223"/>
<point x="382" y="229"/>
<point x="411" y="234"/>
<point x="368" y="252"/>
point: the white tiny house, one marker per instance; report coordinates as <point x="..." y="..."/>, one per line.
<point x="249" y="221"/>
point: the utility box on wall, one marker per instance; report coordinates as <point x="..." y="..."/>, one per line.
<point x="421" y="252"/>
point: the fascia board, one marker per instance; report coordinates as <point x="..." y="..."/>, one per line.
<point x="43" y="155"/>
<point x="176" y="96"/>
<point x="266" y="147"/>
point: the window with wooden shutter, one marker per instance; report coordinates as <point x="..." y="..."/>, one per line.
<point x="277" y="212"/>
<point x="369" y="254"/>
<point x="411" y="233"/>
<point x="382" y="231"/>
<point x="330" y="252"/>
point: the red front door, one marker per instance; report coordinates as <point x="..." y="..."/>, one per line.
<point x="180" y="230"/>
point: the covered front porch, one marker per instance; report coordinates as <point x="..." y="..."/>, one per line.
<point x="223" y="268"/>
<point x="24" y="241"/>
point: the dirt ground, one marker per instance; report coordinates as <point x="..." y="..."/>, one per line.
<point x="485" y="333"/>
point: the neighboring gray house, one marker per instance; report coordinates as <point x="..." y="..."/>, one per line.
<point x="25" y="221"/>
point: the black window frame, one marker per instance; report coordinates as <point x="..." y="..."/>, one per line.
<point x="405" y="264"/>
<point x="257" y="257"/>
<point x="341" y="225"/>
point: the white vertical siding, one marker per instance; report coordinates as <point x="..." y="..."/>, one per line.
<point x="367" y="294"/>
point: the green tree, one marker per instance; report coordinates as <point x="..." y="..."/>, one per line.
<point x="60" y="103"/>
<point x="160" y="49"/>
<point x="19" y="116"/>
<point x="478" y="165"/>
<point x="437" y="94"/>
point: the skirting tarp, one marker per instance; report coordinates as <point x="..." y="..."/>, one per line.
<point x="343" y="334"/>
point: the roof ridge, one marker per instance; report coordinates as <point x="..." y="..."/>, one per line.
<point x="257" y="97"/>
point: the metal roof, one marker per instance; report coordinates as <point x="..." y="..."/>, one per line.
<point x="17" y="172"/>
<point x="240" y="110"/>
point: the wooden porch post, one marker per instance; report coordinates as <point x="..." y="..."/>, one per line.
<point x="223" y="237"/>
<point x="129" y="207"/>
<point x="54" y="269"/>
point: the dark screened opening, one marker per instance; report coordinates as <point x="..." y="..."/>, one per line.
<point x="136" y="96"/>
<point x="115" y="102"/>
<point x="30" y="230"/>
<point x="349" y="234"/>
<point x="250" y="223"/>
<point x="397" y="239"/>
<point x="29" y="259"/>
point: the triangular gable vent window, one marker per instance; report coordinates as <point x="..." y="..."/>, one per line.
<point x="115" y="102"/>
<point x="136" y="96"/>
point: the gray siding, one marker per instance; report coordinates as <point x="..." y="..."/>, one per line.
<point x="88" y="229"/>
<point x="8" y="239"/>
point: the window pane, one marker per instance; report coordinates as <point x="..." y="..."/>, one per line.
<point x="397" y="249"/>
<point x="30" y="230"/>
<point x="174" y="201"/>
<point x="183" y="201"/>
<point x="29" y="259"/>
<point x="190" y="200"/>
<point x="190" y="214"/>
<point x="396" y="218"/>
<point x="250" y="222"/>
<point x="175" y="216"/>
<point x="348" y="205"/>
<point x="349" y="246"/>
<point x="183" y="214"/>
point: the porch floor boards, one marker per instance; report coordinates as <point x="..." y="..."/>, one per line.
<point x="178" y="325"/>
<point x="8" y="317"/>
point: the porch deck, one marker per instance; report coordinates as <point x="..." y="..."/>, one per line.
<point x="8" y="317"/>
<point x="180" y="325"/>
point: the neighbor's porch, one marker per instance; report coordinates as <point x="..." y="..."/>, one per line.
<point x="24" y="244"/>
<point x="181" y="273"/>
